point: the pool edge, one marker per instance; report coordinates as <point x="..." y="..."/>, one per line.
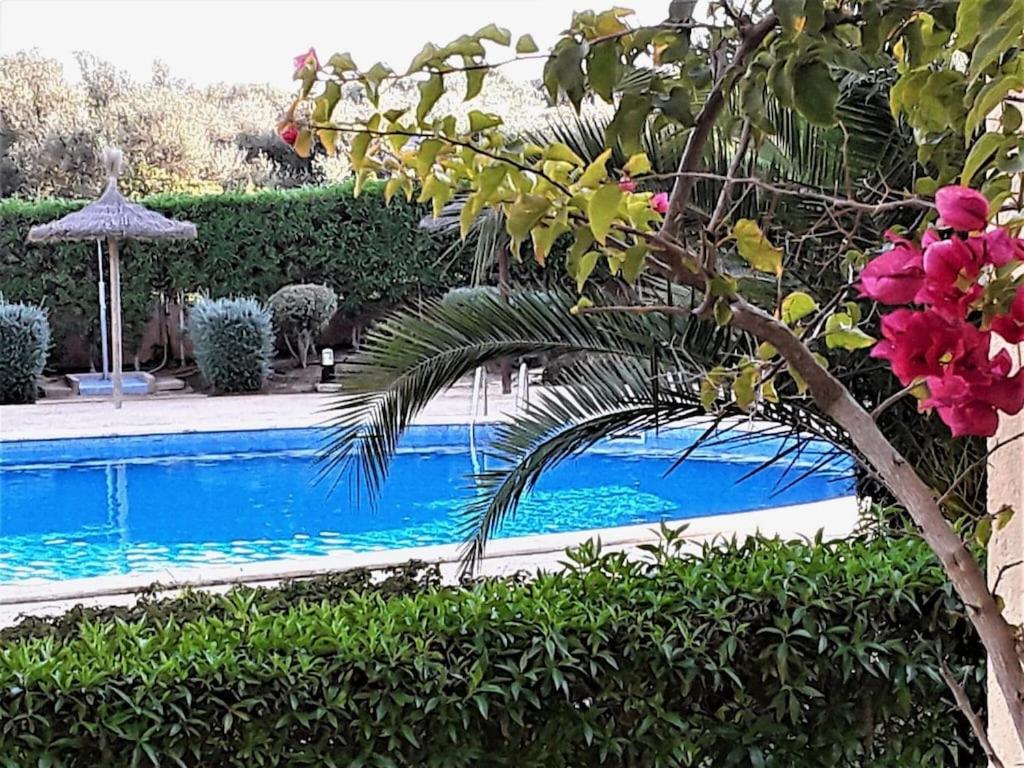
<point x="835" y="517"/>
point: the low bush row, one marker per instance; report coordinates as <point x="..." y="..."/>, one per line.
<point x="762" y="654"/>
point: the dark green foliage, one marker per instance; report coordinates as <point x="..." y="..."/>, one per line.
<point x="233" y="343"/>
<point x="300" y="313"/>
<point x="761" y="655"/>
<point x="374" y="256"/>
<point x="24" y="343"/>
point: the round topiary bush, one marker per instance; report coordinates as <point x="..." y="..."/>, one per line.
<point x="301" y="312"/>
<point x="24" y="342"/>
<point x="233" y="341"/>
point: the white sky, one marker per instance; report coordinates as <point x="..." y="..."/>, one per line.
<point x="253" y="41"/>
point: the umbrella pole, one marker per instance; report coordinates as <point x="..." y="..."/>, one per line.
<point x="115" y="318"/>
<point x="103" y="312"/>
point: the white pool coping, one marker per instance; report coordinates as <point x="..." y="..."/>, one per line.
<point x="835" y="518"/>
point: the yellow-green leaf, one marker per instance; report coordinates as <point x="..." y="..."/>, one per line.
<point x="797" y="306"/>
<point x="430" y="91"/>
<point x="841" y="333"/>
<point x="602" y="210"/>
<point x="596" y="171"/>
<point x="523" y="215"/>
<point x="303" y="143"/>
<point x="586" y="265"/>
<point x="544" y="237"/>
<point x="583" y="303"/>
<point x="638" y="164"/>
<point x="562" y="153"/>
<point x="755" y="248"/>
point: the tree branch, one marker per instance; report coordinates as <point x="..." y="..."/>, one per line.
<point x="752" y="37"/>
<point x="964" y="704"/>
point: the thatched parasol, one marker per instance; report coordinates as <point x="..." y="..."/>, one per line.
<point x="113" y="218"/>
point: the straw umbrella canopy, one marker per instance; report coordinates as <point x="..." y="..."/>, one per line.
<point x="113" y="218"/>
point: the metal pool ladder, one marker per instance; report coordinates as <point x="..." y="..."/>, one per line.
<point x="479" y="387"/>
<point x="522" y="400"/>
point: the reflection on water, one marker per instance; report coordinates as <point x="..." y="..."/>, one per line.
<point x="78" y="520"/>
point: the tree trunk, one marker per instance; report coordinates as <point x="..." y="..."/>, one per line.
<point x="996" y="634"/>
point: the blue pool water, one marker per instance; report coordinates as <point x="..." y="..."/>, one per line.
<point x="98" y="506"/>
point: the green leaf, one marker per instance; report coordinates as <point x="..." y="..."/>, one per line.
<point x="603" y="68"/>
<point x="342" y="62"/>
<point x="990" y="97"/>
<point x="983" y="149"/>
<point x="430" y="91"/>
<point x="482" y="121"/>
<point x="602" y="209"/>
<point x="474" y="83"/>
<point x="815" y="94"/>
<point x="722" y="312"/>
<point x="495" y="34"/>
<point x="755" y="249"/>
<point x="791" y="15"/>
<point x="627" y="126"/>
<point x="797" y="306"/>
<point x="526" y="44"/>
<point x="633" y="262"/>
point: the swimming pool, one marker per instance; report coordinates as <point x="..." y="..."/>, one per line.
<point x="99" y="506"/>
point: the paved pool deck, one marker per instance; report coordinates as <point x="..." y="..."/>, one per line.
<point x="162" y="414"/>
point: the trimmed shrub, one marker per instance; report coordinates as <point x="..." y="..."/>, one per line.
<point x="300" y="313"/>
<point x="372" y="255"/>
<point x="24" y="342"/>
<point x="765" y="654"/>
<point x="233" y="343"/>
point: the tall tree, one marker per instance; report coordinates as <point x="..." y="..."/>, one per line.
<point x="710" y="78"/>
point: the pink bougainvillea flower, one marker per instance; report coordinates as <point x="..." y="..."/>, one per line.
<point x="659" y="203"/>
<point x="951" y="271"/>
<point x="626" y="184"/>
<point x="1011" y="325"/>
<point x="306" y="58"/>
<point x="920" y="344"/>
<point x="974" y="390"/>
<point x="895" y="276"/>
<point x="961" y="208"/>
<point x="997" y="248"/>
<point x="964" y="415"/>
<point x="289" y="133"/>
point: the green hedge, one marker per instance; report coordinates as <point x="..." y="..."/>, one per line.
<point x="374" y="256"/>
<point x="768" y="654"/>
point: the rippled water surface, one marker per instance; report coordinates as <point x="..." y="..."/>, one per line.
<point x="93" y="517"/>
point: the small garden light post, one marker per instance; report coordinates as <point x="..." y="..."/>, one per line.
<point x="113" y="218"/>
